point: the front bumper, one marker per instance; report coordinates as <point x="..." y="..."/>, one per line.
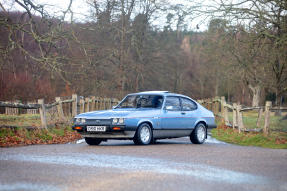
<point x="123" y="133"/>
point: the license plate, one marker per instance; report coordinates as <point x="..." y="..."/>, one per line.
<point x="96" y="128"/>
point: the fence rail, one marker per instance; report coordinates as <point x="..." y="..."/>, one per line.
<point x="237" y="112"/>
<point x="76" y="105"/>
<point x="67" y="108"/>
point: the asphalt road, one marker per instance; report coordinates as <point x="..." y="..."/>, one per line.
<point x="120" y="165"/>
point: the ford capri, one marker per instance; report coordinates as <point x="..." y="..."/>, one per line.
<point x="145" y="117"/>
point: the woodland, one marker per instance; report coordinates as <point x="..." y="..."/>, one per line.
<point x="118" y="49"/>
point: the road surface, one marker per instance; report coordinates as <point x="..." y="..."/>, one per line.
<point x="174" y="164"/>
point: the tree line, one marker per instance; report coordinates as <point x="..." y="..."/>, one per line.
<point x="241" y="55"/>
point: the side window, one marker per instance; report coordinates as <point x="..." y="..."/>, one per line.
<point x="172" y="104"/>
<point x="188" y="105"/>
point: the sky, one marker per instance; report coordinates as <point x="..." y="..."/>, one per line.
<point x="81" y="11"/>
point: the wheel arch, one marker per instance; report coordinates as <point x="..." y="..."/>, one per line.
<point x="137" y="136"/>
<point x="145" y="121"/>
<point x="204" y="123"/>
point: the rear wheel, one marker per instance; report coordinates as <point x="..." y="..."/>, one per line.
<point x="92" y="141"/>
<point x="143" y="135"/>
<point x="198" y="135"/>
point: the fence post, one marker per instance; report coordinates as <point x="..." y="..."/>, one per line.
<point x="114" y="102"/>
<point x="212" y="100"/>
<point x="82" y="105"/>
<point x="216" y="105"/>
<point x="101" y="103"/>
<point x="105" y="103"/>
<point x="87" y="108"/>
<point x="209" y="104"/>
<point x="97" y="103"/>
<point x="239" y="118"/>
<point x="234" y="118"/>
<point x="75" y="105"/>
<point x="203" y="103"/>
<point x="224" y="110"/>
<point x="212" y="104"/>
<point x="93" y="104"/>
<point x="240" y="121"/>
<point x="60" y="108"/>
<point x="111" y="103"/>
<point x="260" y="113"/>
<point x="42" y="111"/>
<point x="268" y="105"/>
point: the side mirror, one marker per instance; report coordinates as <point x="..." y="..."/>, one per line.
<point x="114" y="107"/>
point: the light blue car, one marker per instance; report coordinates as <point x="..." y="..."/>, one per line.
<point x="145" y="117"/>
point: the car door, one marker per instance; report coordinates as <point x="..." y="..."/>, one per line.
<point x="171" y="119"/>
<point x="189" y="111"/>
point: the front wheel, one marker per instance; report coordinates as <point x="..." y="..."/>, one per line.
<point x="198" y="135"/>
<point x="143" y="135"/>
<point x="92" y="141"/>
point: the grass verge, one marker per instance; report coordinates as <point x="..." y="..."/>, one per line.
<point x="22" y="136"/>
<point x="275" y="140"/>
<point x="24" y="120"/>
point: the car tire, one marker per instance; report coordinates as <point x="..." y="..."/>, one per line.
<point x="143" y="135"/>
<point x="198" y="135"/>
<point x="154" y="141"/>
<point x="92" y="141"/>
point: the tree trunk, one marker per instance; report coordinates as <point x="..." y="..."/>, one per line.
<point x="216" y="87"/>
<point x="256" y="92"/>
<point x="278" y="102"/>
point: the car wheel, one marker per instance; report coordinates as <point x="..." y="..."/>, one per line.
<point x="92" y="141"/>
<point x="198" y="135"/>
<point x="154" y="141"/>
<point x="143" y="135"/>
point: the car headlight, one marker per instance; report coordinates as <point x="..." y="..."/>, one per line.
<point x="121" y="121"/>
<point x="118" y="121"/>
<point x="115" y="120"/>
<point x="80" y="120"/>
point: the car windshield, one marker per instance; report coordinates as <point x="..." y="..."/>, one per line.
<point x="142" y="101"/>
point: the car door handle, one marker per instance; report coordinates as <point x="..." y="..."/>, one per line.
<point x="183" y="113"/>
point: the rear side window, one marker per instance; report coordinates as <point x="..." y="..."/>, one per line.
<point x="188" y="105"/>
<point x="172" y="104"/>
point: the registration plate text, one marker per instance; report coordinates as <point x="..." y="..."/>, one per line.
<point x="96" y="128"/>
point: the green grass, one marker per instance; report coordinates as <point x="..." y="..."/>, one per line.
<point x="250" y="120"/>
<point x="23" y="136"/>
<point x="277" y="137"/>
<point x="26" y="129"/>
<point x="24" y="120"/>
<point x="58" y="131"/>
<point x="274" y="140"/>
<point x="6" y="133"/>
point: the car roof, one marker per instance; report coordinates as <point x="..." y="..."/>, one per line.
<point x="163" y="93"/>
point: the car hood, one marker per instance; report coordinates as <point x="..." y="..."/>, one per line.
<point x="120" y="113"/>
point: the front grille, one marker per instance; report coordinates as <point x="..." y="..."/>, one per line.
<point x="98" y="121"/>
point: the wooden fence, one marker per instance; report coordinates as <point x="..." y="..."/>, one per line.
<point x="220" y="108"/>
<point x="67" y="108"/>
<point x="64" y="108"/>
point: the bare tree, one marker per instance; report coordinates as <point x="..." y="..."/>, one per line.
<point x="269" y="20"/>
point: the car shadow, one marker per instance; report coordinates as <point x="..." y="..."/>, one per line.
<point x="158" y="143"/>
